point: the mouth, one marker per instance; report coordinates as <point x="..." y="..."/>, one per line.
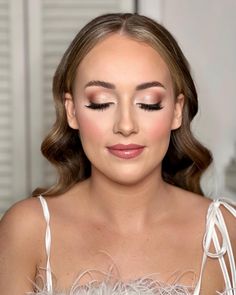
<point x="128" y="151"/>
<point x="130" y="146"/>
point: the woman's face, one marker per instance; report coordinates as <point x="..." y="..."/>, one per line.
<point x="123" y="94"/>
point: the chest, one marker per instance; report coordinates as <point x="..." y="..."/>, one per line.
<point x="151" y="246"/>
<point x="166" y="252"/>
<point x="172" y="254"/>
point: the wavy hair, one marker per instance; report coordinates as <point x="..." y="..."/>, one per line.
<point x="186" y="158"/>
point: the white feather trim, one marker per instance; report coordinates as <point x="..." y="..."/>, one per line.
<point x="111" y="286"/>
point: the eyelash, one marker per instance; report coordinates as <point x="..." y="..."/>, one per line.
<point x="146" y="107"/>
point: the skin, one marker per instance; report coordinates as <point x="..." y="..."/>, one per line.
<point x="124" y="209"/>
<point x="119" y="181"/>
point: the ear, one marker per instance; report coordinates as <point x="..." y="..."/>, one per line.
<point x="70" y="111"/>
<point x="178" y="112"/>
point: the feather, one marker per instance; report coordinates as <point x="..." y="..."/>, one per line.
<point x="111" y="286"/>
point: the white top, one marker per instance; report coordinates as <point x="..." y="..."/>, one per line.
<point x="145" y="285"/>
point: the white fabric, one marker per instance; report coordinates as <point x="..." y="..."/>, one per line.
<point x="47" y="244"/>
<point x="214" y="220"/>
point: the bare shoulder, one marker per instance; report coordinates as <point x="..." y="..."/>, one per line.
<point x="21" y="245"/>
<point x="190" y="203"/>
<point x="21" y="224"/>
<point x="23" y="216"/>
<point x="197" y="206"/>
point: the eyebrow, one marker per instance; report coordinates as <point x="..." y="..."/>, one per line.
<point x="108" y="85"/>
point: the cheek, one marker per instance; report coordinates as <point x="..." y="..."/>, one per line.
<point x="89" y="127"/>
<point x="159" y="128"/>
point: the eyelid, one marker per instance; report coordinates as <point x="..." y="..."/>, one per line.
<point x="150" y="97"/>
<point x="100" y="95"/>
<point x="107" y="94"/>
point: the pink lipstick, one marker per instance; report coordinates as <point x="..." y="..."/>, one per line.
<point x="124" y="151"/>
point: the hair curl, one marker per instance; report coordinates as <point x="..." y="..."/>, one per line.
<point x="186" y="158"/>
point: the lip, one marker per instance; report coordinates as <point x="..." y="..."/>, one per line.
<point x="130" y="146"/>
<point x="128" y="151"/>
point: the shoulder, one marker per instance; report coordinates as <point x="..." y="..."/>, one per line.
<point x="189" y="203"/>
<point x="21" y="245"/>
<point x="190" y="212"/>
<point x="24" y="213"/>
<point x="20" y="226"/>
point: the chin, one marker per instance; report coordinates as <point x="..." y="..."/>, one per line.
<point x="128" y="177"/>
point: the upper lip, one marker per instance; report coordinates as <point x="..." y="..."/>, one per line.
<point x="125" y="146"/>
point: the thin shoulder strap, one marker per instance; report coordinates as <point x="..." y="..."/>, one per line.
<point x="215" y="220"/>
<point x="47" y="243"/>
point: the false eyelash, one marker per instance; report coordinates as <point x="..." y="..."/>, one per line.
<point x="98" y="106"/>
<point x="151" y="107"/>
<point x="147" y="107"/>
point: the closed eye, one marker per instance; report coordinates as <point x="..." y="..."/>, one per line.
<point x="150" y="107"/>
<point x="99" y="106"/>
<point x="146" y="107"/>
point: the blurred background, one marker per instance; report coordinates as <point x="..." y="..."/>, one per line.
<point x="35" y="33"/>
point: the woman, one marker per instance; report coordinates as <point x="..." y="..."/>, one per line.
<point x="127" y="213"/>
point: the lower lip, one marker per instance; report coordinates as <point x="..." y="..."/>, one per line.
<point x="126" y="154"/>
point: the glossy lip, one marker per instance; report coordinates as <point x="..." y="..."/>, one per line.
<point x="125" y="146"/>
<point x="128" y="151"/>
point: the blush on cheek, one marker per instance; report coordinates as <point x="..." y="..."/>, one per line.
<point x="158" y="130"/>
<point x="90" y="129"/>
<point x="159" y="139"/>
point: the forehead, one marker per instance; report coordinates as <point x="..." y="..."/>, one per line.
<point x="120" y="59"/>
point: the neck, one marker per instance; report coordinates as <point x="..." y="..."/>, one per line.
<point x="128" y="206"/>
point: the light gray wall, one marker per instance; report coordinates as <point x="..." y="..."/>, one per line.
<point x="206" y="31"/>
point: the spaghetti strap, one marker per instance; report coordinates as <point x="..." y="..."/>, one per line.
<point x="215" y="220"/>
<point x="214" y="223"/>
<point x="47" y="244"/>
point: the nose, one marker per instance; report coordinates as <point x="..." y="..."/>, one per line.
<point x="125" y="121"/>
